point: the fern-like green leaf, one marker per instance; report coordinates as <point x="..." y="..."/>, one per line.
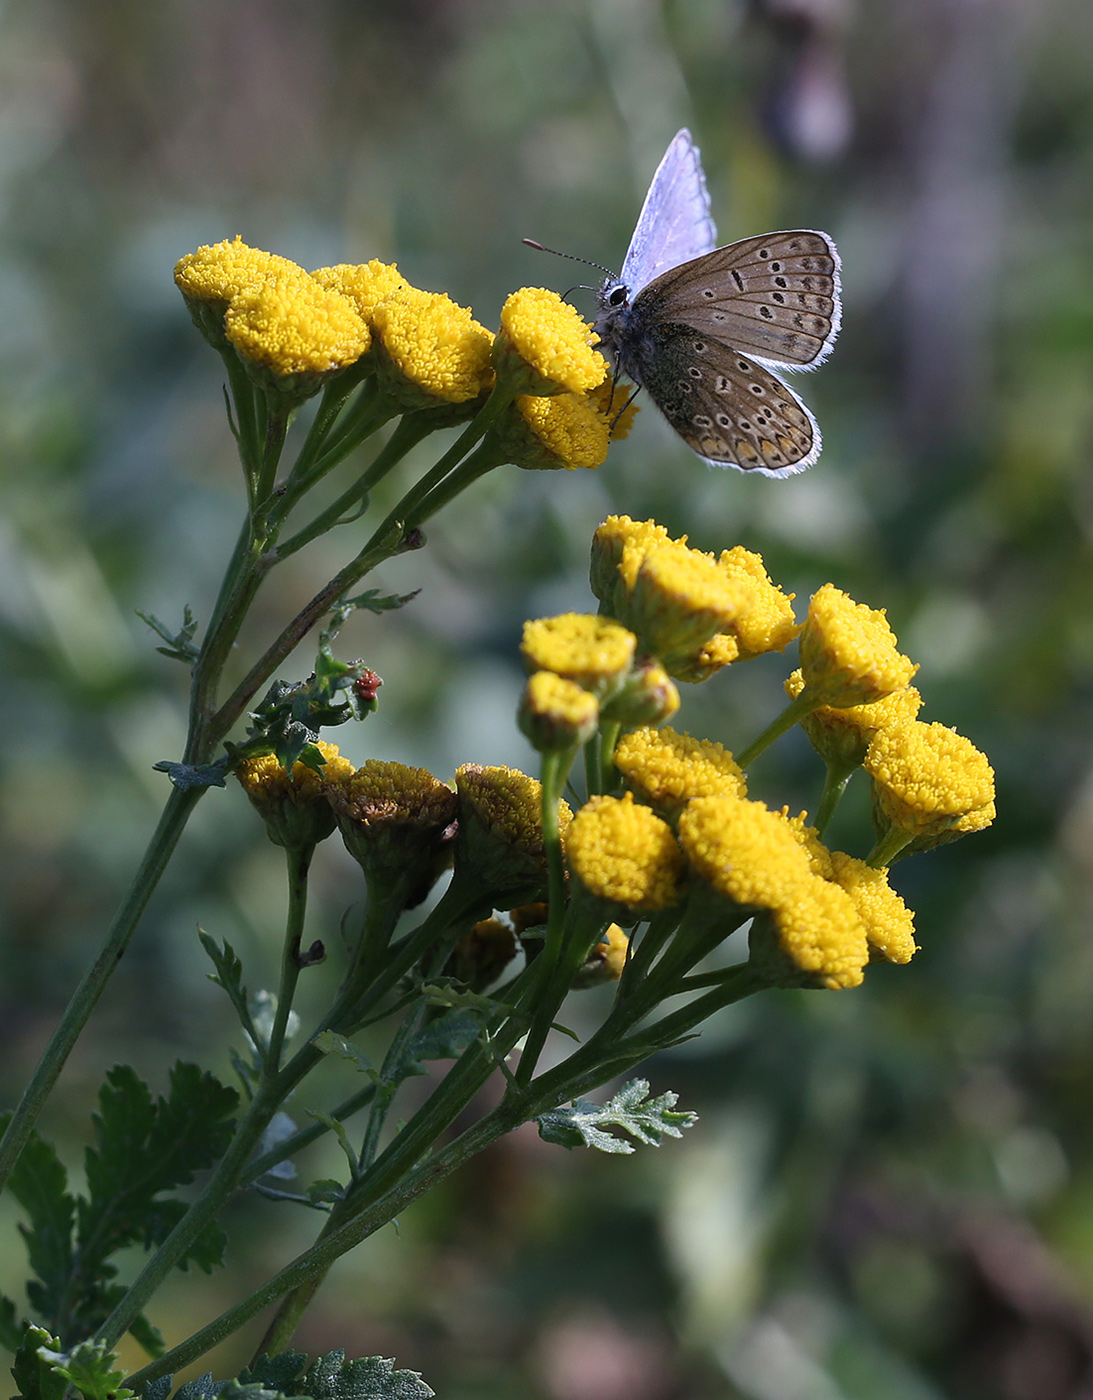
<point x="585" y="1124"/>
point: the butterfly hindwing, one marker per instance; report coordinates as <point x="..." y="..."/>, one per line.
<point x="726" y="406"/>
<point x="775" y="297"/>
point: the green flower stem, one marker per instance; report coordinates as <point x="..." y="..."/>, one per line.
<point x="248" y="434"/>
<point x="888" y="847"/>
<point x="593" y="775"/>
<point x="609" y="737"/>
<point x="795" y="711"/>
<point x="410" y="431"/>
<point x="660" y="928"/>
<point x="278" y="417"/>
<point x="306" y="1136"/>
<point x="299" y="862"/>
<point x="393" y="536"/>
<point x="392" y="1074"/>
<point x="554" y="772"/>
<point x="601" y="1057"/>
<point x="175" y="815"/>
<point x="836" y="777"/>
<point x="487" y="456"/>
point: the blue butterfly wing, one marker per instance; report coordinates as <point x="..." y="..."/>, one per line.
<point x="674" y="224"/>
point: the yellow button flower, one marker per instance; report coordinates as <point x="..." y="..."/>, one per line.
<point x="608" y="545"/>
<point x="434" y="351"/>
<point x="594" y="652"/>
<point x="557" y="714"/>
<point x="397" y="822"/>
<point x="848" y="652"/>
<point x="813" y="935"/>
<point x="889" y="924"/>
<point x="765" y="621"/>
<point x="679" y="599"/>
<point x="210" y="278"/>
<point x="667" y="770"/>
<point x="364" y="284"/>
<point x="927" y="779"/>
<point x="500" y="847"/>
<point x="294" y="808"/>
<point x="290" y="326"/>
<point x="842" y="736"/>
<point x="625" y="854"/>
<point x="648" y="695"/>
<point x="567" y="431"/>
<point x="482" y="954"/>
<point x="544" y="347"/>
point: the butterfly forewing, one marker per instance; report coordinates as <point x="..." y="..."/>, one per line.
<point x="730" y="409"/>
<point x="775" y="297"/>
<point x="674" y="224"/>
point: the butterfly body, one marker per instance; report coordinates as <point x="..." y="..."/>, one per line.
<point x="702" y="328"/>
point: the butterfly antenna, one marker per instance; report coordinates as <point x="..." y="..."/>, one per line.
<point x="587" y="261"/>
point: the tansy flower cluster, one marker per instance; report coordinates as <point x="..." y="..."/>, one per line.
<point x="672" y="826"/>
<point x="294" y="331"/>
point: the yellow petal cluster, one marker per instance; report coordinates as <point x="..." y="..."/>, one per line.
<point x="594" y="652"/>
<point x="678" y="600"/>
<point x="609" y="543"/>
<point x="398" y="823"/>
<point x="294" y="808"/>
<point x="290" y="325"/>
<point x="434" y="349"/>
<point x="557" y="714"/>
<point x="284" y="323"/>
<point x="753" y="856"/>
<point x="565" y="431"/>
<point x="765" y="620"/>
<point x="625" y="853"/>
<point x="927" y="779"/>
<point x="667" y="770"/>
<point x="615" y="400"/>
<point x="544" y="345"/>
<point x="365" y="284"/>
<point x="842" y="736"/>
<point x="848" y="652"/>
<point x="889" y="924"/>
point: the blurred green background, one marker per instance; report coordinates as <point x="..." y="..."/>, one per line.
<point x="890" y="1191"/>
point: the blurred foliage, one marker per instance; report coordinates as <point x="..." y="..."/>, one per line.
<point x="890" y="1191"/>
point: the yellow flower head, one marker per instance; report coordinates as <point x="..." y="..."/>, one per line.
<point x="566" y="431"/>
<point x="543" y="346"/>
<point x="720" y="651"/>
<point x="927" y="779"/>
<point x="606" y="961"/>
<point x="848" y="652"/>
<point x="743" y="850"/>
<point x="294" y="808"/>
<point x="288" y="328"/>
<point x="889" y="924"/>
<point x="365" y="284"/>
<point x="500" y="845"/>
<point x="624" y="853"/>
<point x="615" y="400"/>
<point x="594" y="652"/>
<point x="841" y="736"/>
<point x="648" y="695"/>
<point x="608" y="545"/>
<point x="434" y="351"/>
<point x="397" y="822"/>
<point x="679" y="599"/>
<point x="557" y="714"/>
<point x="667" y="769"/>
<point x="765" y="620"/>
<point x="819" y="857"/>
<point x="811" y="935"/>
<point x="216" y="273"/>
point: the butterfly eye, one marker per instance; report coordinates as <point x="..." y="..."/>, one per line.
<point x="617" y="297"/>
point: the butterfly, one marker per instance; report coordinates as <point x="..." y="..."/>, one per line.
<point x="702" y="328"/>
